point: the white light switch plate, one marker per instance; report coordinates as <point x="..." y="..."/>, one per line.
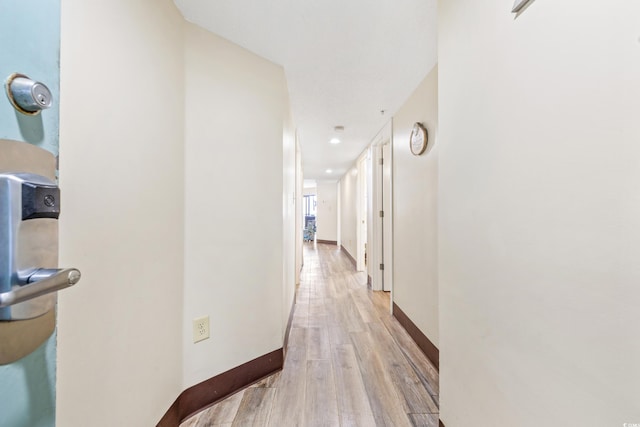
<point x="200" y="328"/>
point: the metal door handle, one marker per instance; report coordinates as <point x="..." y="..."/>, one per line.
<point x="41" y="282"/>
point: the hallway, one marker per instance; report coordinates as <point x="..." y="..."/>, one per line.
<point x="348" y="362"/>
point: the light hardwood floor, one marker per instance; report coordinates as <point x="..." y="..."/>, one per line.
<point x="348" y="361"/>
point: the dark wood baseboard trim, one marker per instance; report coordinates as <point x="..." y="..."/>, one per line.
<point x="425" y="344"/>
<point x="327" y="242"/>
<point x="202" y="395"/>
<point x="369" y="281"/>
<point x="441" y="423"/>
<point x="286" y="332"/>
<point x="352" y="259"/>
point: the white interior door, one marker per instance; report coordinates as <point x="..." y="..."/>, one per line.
<point x="374" y="223"/>
<point x="362" y="256"/>
<point x="387" y="223"/>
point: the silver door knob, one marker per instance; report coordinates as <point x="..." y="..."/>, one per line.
<point x="26" y="95"/>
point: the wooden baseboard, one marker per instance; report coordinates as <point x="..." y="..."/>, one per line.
<point x="441" y="423"/>
<point x="369" y="281"/>
<point x="327" y="242"/>
<point x="286" y="332"/>
<point x="425" y="344"/>
<point x="202" y="395"/>
<point x="352" y="259"/>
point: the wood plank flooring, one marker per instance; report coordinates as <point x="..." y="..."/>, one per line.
<point x="348" y="361"/>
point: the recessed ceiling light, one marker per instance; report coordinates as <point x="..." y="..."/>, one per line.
<point x="334" y="141"/>
<point x="328" y="171"/>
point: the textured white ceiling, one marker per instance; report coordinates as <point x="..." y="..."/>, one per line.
<point x="345" y="61"/>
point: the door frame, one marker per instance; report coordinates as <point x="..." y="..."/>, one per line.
<point x="387" y="220"/>
<point x="375" y="236"/>
<point x="362" y="211"/>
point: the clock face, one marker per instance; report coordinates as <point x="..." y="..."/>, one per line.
<point x="419" y="139"/>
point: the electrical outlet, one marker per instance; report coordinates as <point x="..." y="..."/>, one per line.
<point x="200" y="329"/>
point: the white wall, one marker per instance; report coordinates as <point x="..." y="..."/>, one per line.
<point x="290" y="195"/>
<point x="539" y="213"/>
<point x="415" y="219"/>
<point x="349" y="212"/>
<point x="327" y="211"/>
<point x="121" y="174"/>
<point x="299" y="223"/>
<point x="236" y="104"/>
<point x="162" y="212"/>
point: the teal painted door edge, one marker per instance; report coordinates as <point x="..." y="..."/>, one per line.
<point x="30" y="40"/>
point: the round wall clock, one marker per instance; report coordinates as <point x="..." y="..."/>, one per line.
<point x="419" y="139"/>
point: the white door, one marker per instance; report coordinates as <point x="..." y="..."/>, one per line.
<point x="387" y="224"/>
<point x="363" y="258"/>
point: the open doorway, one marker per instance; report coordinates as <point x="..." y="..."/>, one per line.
<point x="309" y="211"/>
<point x="309" y="217"/>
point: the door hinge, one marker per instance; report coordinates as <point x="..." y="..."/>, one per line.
<point x="381" y="266"/>
<point x="381" y="214"/>
<point x="381" y="161"/>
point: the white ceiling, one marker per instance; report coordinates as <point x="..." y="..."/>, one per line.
<point x="345" y="61"/>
